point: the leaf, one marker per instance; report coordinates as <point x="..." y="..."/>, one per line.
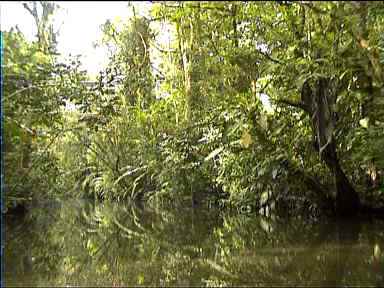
<point x="135" y="183"/>
<point x="364" y="122"/>
<point x="214" y="153"/>
<point x="264" y="197"/>
<point x="218" y="268"/>
<point x="246" y="139"/>
<point x="376" y="251"/>
<point x="129" y="173"/>
<point x="274" y="173"/>
<point x="343" y="74"/>
<point x="140" y="279"/>
<point x="364" y="43"/>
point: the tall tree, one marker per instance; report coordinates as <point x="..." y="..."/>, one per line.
<point x="42" y="12"/>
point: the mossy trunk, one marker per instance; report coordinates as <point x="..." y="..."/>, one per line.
<point x="319" y="100"/>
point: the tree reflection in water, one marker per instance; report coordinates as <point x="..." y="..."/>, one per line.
<point x="79" y="243"/>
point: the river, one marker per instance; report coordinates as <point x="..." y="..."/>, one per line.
<point x="82" y="243"/>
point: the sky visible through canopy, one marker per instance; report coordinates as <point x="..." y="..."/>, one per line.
<point x="78" y="24"/>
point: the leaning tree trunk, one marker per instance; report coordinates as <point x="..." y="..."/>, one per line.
<point x="347" y="200"/>
<point x="319" y="101"/>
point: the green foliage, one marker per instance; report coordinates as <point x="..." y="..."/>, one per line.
<point x="187" y="120"/>
<point x="36" y="89"/>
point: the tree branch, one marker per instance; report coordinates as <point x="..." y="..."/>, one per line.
<point x="291" y="103"/>
<point x="311" y="6"/>
<point x="269" y="57"/>
<point x="198" y="7"/>
<point x="162" y="49"/>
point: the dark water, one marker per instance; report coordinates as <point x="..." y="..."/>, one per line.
<point x="82" y="244"/>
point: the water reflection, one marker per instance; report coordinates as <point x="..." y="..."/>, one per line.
<point x="80" y="243"/>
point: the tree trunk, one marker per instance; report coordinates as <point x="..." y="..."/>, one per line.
<point x="347" y="200"/>
<point x="319" y="101"/>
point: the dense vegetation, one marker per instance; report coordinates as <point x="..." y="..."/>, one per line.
<point x="276" y="106"/>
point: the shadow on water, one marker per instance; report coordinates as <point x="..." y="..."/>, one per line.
<point x="82" y="243"/>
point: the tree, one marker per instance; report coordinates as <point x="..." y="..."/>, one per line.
<point x="305" y="59"/>
<point x="45" y="34"/>
<point x="36" y="88"/>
